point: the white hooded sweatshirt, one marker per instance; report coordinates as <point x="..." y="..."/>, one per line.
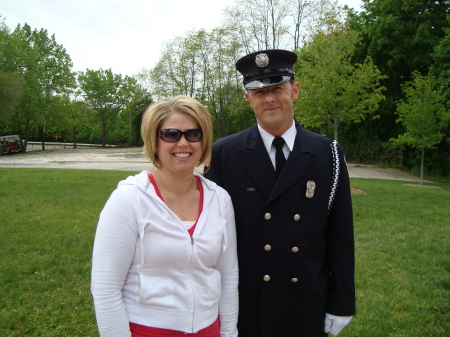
<point x="148" y="270"/>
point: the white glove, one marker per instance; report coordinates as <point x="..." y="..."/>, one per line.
<point x="335" y="324"/>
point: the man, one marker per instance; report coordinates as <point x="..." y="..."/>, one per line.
<point x="294" y="219"/>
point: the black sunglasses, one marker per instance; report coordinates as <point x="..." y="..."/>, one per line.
<point x="174" y="135"/>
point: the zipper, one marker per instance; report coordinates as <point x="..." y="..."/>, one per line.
<point x="190" y="281"/>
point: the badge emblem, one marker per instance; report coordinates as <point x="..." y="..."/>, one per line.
<point x="262" y="60"/>
<point x="310" y="187"/>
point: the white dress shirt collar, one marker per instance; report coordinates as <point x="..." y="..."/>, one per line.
<point x="288" y="136"/>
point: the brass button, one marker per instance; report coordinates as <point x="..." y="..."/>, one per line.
<point x="266" y="278"/>
<point x="295" y="249"/>
<point x="294" y="280"/>
<point x="267" y="216"/>
<point x="297" y="217"/>
<point x="267" y="248"/>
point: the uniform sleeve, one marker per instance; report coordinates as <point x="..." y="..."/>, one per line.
<point x="227" y="265"/>
<point x="340" y="247"/>
<point x="113" y="252"/>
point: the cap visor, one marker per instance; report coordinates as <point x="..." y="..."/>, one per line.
<point x="266" y="82"/>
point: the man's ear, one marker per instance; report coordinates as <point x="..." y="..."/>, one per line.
<point x="246" y="97"/>
<point x="295" y="90"/>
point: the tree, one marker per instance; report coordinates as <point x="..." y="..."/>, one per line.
<point x="300" y="13"/>
<point x="202" y="65"/>
<point x="11" y="82"/>
<point x="260" y="22"/>
<point x="441" y="60"/>
<point x="10" y="90"/>
<point x="133" y="115"/>
<point x="46" y="69"/>
<point x="400" y="35"/>
<point x="107" y="94"/>
<point x="423" y="113"/>
<point x="77" y="116"/>
<point x="276" y="24"/>
<point x="219" y="88"/>
<point x="333" y="90"/>
<point x="177" y="69"/>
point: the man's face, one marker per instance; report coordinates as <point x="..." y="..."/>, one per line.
<point x="274" y="106"/>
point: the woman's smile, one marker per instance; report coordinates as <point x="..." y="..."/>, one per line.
<point x="182" y="155"/>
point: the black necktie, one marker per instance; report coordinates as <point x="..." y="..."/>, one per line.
<point x="280" y="159"/>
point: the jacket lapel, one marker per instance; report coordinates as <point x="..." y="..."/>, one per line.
<point x="256" y="162"/>
<point x="301" y="158"/>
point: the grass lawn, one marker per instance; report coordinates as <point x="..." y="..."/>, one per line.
<point x="48" y="221"/>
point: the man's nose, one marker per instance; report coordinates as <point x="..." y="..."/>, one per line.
<point x="269" y="96"/>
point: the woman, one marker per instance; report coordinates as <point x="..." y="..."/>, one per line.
<point x="164" y="260"/>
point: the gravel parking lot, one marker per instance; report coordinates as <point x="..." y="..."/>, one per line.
<point x="118" y="159"/>
<point x="132" y="159"/>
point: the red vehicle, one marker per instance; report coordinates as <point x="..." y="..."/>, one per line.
<point x="10" y="144"/>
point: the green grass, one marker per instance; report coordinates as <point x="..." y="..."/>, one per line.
<point x="48" y="224"/>
<point x="402" y="260"/>
<point x="48" y="221"/>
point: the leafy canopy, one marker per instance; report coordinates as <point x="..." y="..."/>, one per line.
<point x="423" y="112"/>
<point x="333" y="89"/>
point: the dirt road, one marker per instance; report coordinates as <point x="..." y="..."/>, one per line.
<point x="132" y="159"/>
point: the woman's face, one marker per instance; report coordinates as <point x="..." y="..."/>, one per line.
<point x="179" y="157"/>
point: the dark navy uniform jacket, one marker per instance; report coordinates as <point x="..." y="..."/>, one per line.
<point x="296" y="256"/>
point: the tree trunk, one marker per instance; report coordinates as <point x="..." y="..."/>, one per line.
<point x="103" y="130"/>
<point x="336" y="127"/>
<point x="74" y="138"/>
<point x="421" y="166"/>
<point x="25" y="139"/>
<point x="42" y="137"/>
<point x="131" y="128"/>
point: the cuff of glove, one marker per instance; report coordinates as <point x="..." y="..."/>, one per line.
<point x="335" y="324"/>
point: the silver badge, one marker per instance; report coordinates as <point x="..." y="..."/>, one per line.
<point x="262" y="60"/>
<point x="310" y="187"/>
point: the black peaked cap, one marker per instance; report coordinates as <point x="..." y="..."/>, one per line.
<point x="266" y="68"/>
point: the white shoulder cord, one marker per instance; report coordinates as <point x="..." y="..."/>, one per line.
<point x="335" y="175"/>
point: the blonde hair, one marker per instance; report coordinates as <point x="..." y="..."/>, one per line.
<point x="158" y="112"/>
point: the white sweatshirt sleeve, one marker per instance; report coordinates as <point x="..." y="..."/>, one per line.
<point x="113" y="252"/>
<point x="227" y="265"/>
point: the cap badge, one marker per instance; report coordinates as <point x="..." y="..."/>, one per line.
<point x="310" y="187"/>
<point x="262" y="60"/>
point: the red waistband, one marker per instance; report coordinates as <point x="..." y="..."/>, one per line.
<point x="138" y="330"/>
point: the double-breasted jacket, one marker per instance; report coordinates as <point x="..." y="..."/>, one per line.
<point x="296" y="252"/>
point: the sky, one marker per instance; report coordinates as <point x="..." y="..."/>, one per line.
<point x="124" y="35"/>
